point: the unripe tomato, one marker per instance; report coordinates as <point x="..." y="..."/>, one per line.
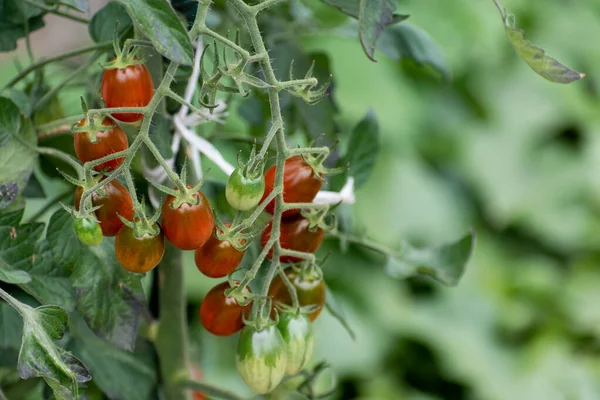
<point x="139" y="254"/>
<point x="310" y="291"/>
<point x="114" y="199"/>
<point x="296" y="331"/>
<point x="128" y="87"/>
<point x="217" y="258"/>
<point x="88" y="231"/>
<point x="188" y="226"/>
<point x="295" y="235"/>
<point x="300" y="184"/>
<point x="219" y="314"/>
<point x="108" y="141"/>
<point x="261" y="358"/>
<point x="243" y="193"/>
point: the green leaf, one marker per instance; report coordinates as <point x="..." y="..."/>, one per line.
<point x="8" y="193"/>
<point x="16" y="11"/>
<point x="102" y="24"/>
<point x="158" y="21"/>
<point x="10" y="119"/>
<point x="374" y="15"/>
<point x="10" y="275"/>
<point x="11" y="328"/>
<point x="336" y="311"/>
<point x="118" y="373"/>
<point x="408" y="42"/>
<point x="363" y="149"/>
<point x="12" y="16"/>
<point x="80" y="5"/>
<point x="445" y="264"/>
<point x="109" y="297"/>
<point x="159" y="134"/>
<point x="545" y="66"/>
<point x="352" y="8"/>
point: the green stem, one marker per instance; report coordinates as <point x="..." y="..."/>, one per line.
<point x="64" y="157"/>
<point x="55" y="10"/>
<point x="364" y="242"/>
<point x="500" y="8"/>
<point x="297" y="82"/>
<point x="41" y="63"/>
<point x="172" y="337"/>
<point x="209" y="390"/>
<point x="265" y="4"/>
<point x="63" y="123"/>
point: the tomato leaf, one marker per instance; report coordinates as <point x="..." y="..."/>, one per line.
<point x="408" y="42"/>
<point x="118" y="373"/>
<point x="374" y="15"/>
<point x="79" y="5"/>
<point x="445" y="264"/>
<point x="352" y="8"/>
<point x="102" y="24"/>
<point x="108" y="297"/>
<point x="8" y="193"/>
<point x="544" y="65"/>
<point x="158" y="21"/>
<point x="335" y="310"/>
<point x="11" y="329"/>
<point x="12" y="16"/>
<point x="363" y="149"/>
<point x="10" y="275"/>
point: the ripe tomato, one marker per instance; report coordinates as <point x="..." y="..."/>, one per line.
<point x="127" y="87"/>
<point x="188" y="226"/>
<point x="261" y="358"/>
<point x="108" y="141"/>
<point x="88" y="231"/>
<point x="217" y="258"/>
<point x="300" y="184"/>
<point x="296" y="331"/>
<point x="295" y="235"/>
<point x="311" y="291"/>
<point x="114" y="199"/>
<point x="242" y="192"/>
<point x="221" y="315"/>
<point x="139" y="254"/>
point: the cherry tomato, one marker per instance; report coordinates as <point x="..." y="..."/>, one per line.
<point x="128" y="87"/>
<point x="139" y="254"/>
<point x="296" y="331"/>
<point x="295" y="235"/>
<point x="217" y="258"/>
<point x="261" y="358"/>
<point x="221" y="315"/>
<point x="88" y="231"/>
<point x="114" y="199"/>
<point x="108" y="141"/>
<point x="188" y="226"/>
<point x="310" y="291"/>
<point x="300" y="184"/>
<point x="242" y="192"/>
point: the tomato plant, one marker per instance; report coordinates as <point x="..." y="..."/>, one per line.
<point x="127" y="87"/>
<point x="107" y="140"/>
<point x="113" y="200"/>
<point x="217" y="258"/>
<point x="309" y="286"/>
<point x="295" y="234"/>
<point x="220" y="314"/>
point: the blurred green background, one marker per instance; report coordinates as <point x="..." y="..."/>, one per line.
<point x="497" y="148"/>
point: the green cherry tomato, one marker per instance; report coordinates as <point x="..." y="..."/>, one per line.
<point x="261" y="358"/>
<point x="296" y="331"/>
<point x="88" y="231"/>
<point x="242" y="192"/>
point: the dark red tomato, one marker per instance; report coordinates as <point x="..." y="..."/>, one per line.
<point x="221" y="315"/>
<point x="300" y="184"/>
<point x="295" y="235"/>
<point x="127" y="87"/>
<point x="188" y="226"/>
<point x="139" y="254"/>
<point x="114" y="199"/>
<point x="217" y="258"/>
<point x="108" y="141"/>
<point x="310" y="291"/>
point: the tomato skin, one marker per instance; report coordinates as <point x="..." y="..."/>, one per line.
<point x="109" y="141"/>
<point x="88" y="231"/>
<point x="295" y="235"/>
<point x="115" y="200"/>
<point x="217" y="258"/>
<point x="189" y="226"/>
<point x="309" y="291"/>
<point x="296" y="331"/>
<point x="141" y="254"/>
<point x="243" y="193"/>
<point x="128" y="87"/>
<point x="221" y="315"/>
<point x="261" y="358"/>
<point x="300" y="184"/>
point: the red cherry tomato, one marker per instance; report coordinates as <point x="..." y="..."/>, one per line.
<point x="217" y="258"/>
<point x="108" y="141"/>
<point x="221" y="315"/>
<point x="300" y="184"/>
<point x="128" y="87"/>
<point x="188" y="226"/>
<point x="295" y="235"/>
<point x="310" y="291"/>
<point x="114" y="199"/>
<point x="139" y="254"/>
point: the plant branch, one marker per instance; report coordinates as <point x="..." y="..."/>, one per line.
<point x="55" y="10"/>
<point x="210" y="390"/>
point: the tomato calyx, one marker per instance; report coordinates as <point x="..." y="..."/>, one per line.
<point x="142" y="225"/>
<point x="306" y="92"/>
<point x="241" y="294"/>
<point x="92" y="125"/>
<point x="261" y="317"/>
<point x="315" y="161"/>
<point x="318" y="218"/>
<point x="125" y="57"/>
<point x="182" y="193"/>
<point x="235" y="235"/>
